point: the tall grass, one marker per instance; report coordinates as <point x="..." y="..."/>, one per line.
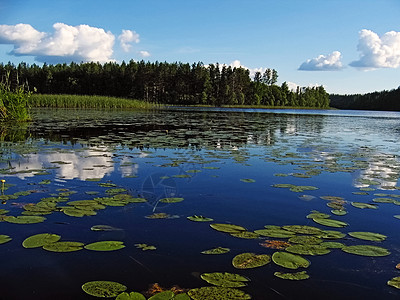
<point x="14" y="105"/>
<point x="87" y="102"/>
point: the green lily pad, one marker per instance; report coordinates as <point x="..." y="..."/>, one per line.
<point x="332" y="198"/>
<point x="171" y="200"/>
<point x="317" y="214"/>
<point x="308" y="249"/>
<point x="103" y="289"/>
<point x="225" y="279"/>
<point x="250" y="260"/>
<point x="331" y="234"/>
<point x="394" y="282"/>
<point x="303" y="229"/>
<point x="246" y="235"/>
<point x="397" y="216"/>
<point x="196" y="218"/>
<point x="364" y="205"/>
<point x="289" y="260"/>
<point x="3" y="211"/>
<point x="247" y="180"/>
<point x="116" y="191"/>
<point x="166" y="295"/>
<point x="330" y="222"/>
<point x="366" y="250"/>
<point x="339" y="212"/>
<point x="292" y="276"/>
<point x="39" y="240"/>
<point x="218" y="250"/>
<point x="24" y="219"/>
<point x="145" y="247"/>
<point x="104" y="228"/>
<point x="105" y="246"/>
<point x="383" y="200"/>
<point x="332" y="245"/>
<point x="305" y="239"/>
<point x="63" y="246"/>
<point x="229" y="228"/>
<point x="76" y="212"/>
<point x="4" y="238"/>
<point x="275" y="233"/>
<point x="217" y="293"/>
<point x="368" y="236"/>
<point x="130" y="296"/>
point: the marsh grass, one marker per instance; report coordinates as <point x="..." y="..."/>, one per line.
<point x="87" y="102"/>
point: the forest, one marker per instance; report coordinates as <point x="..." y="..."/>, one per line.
<point x="383" y="100"/>
<point x="166" y="83"/>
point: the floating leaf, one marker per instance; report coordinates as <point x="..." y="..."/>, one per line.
<point x="397" y="216"/>
<point x="383" y="200"/>
<point x="3" y="211"/>
<point x="225" y="279"/>
<point x="247" y="180"/>
<point x="39" y="240"/>
<point x="4" y="239"/>
<point x="305" y="239"/>
<point x="250" y="260"/>
<point x="332" y="198"/>
<point x="317" y="214"/>
<point x="394" y="282"/>
<point x="308" y="249"/>
<point x="289" y="260"/>
<point x="103" y="289"/>
<point x="339" y="212"/>
<point x="364" y="205"/>
<point x="331" y="234"/>
<point x="218" y="250"/>
<point x="171" y="200"/>
<point x="229" y="228"/>
<point x="76" y="212"/>
<point x="292" y="276"/>
<point x="105" y="246"/>
<point x="217" y="293"/>
<point x="196" y="218"/>
<point x="63" y="246"/>
<point x="368" y="236"/>
<point x="275" y="232"/>
<point x="330" y="222"/>
<point x="24" y="219"/>
<point x="275" y="244"/>
<point x="246" y="235"/>
<point x="303" y="229"/>
<point x="366" y="250"/>
<point x="332" y="245"/>
<point x="145" y="247"/>
<point x="130" y="296"/>
<point x="103" y="228"/>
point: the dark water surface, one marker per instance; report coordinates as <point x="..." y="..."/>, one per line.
<point x="202" y="156"/>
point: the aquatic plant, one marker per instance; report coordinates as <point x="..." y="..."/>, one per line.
<point x="103" y="289"/>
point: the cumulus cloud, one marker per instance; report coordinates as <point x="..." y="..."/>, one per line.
<point x="378" y="52"/>
<point x="330" y="62"/>
<point x="66" y="43"/>
<point x="144" y="54"/>
<point x="126" y="38"/>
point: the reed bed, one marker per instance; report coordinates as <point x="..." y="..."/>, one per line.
<point x="87" y="102"/>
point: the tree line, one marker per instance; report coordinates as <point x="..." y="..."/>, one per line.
<point x="383" y="100"/>
<point x="167" y="83"/>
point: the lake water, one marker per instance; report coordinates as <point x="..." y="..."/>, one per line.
<point x="228" y="165"/>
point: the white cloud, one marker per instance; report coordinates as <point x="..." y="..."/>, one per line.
<point x="144" y="54"/>
<point x="330" y="62"/>
<point x="378" y="52"/>
<point x="126" y="38"/>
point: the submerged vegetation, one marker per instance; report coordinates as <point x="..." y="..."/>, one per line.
<point x="169" y="83"/>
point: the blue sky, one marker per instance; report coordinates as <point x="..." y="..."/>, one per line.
<point x="349" y="46"/>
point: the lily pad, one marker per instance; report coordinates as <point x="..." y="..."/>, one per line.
<point x="145" y="247"/>
<point x="364" y="205"/>
<point x="3" y="211"/>
<point x="105" y="246"/>
<point x="308" y="249"/>
<point x="165" y="295"/>
<point x="4" y="238"/>
<point x="196" y="218"/>
<point x="366" y="250"/>
<point x="225" y="279"/>
<point x="275" y="232"/>
<point x="103" y="289"/>
<point x="394" y="282"/>
<point x="303" y="229"/>
<point x="368" y="236"/>
<point x="339" y="212"/>
<point x="330" y="222"/>
<point x="63" y="246"/>
<point x="246" y="235"/>
<point x="383" y="200"/>
<point x="39" y="240"/>
<point x="171" y="200"/>
<point x="332" y="245"/>
<point x="305" y="239"/>
<point x="217" y="293"/>
<point x="104" y="228"/>
<point x="130" y="296"/>
<point x="317" y="214"/>
<point x="331" y="234"/>
<point x="250" y="260"/>
<point x="229" y="228"/>
<point x="292" y="276"/>
<point x="218" y="250"/>
<point x="289" y="260"/>
<point x="247" y="180"/>
<point x="24" y="219"/>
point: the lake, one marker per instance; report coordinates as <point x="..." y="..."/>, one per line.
<point x="335" y="173"/>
